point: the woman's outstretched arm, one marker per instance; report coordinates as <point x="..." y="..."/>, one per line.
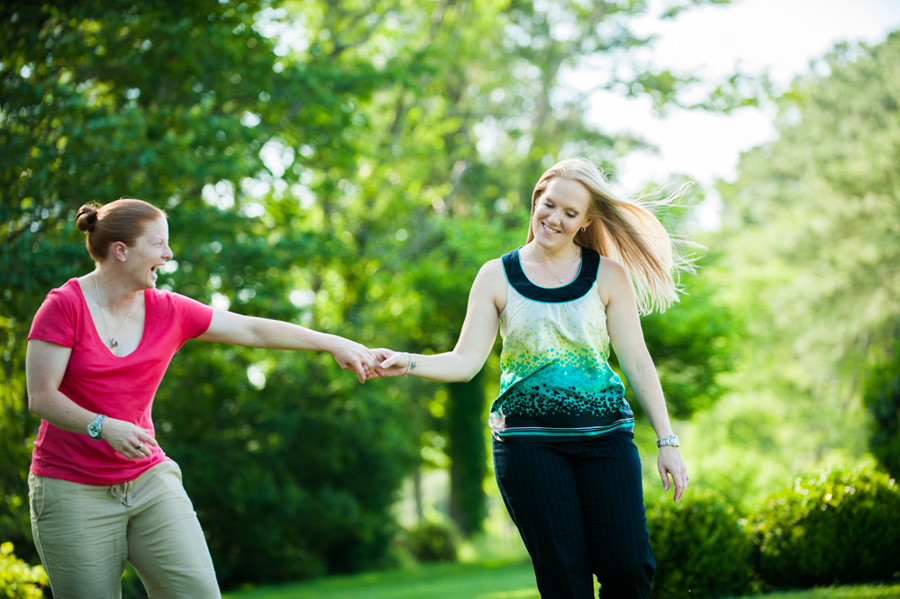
<point x="487" y="298"/>
<point x="250" y="331"/>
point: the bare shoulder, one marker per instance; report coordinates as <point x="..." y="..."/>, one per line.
<point x="492" y="268"/>
<point x="491" y="283"/>
<point x="612" y="279"/>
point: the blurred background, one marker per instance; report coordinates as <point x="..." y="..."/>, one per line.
<point x="348" y="165"/>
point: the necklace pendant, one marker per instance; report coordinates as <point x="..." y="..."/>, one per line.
<point x="562" y="281"/>
<point x="113" y="343"/>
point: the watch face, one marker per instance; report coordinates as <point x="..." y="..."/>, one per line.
<point x="94" y="428"/>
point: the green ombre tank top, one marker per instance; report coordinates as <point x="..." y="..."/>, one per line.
<point x="556" y="382"/>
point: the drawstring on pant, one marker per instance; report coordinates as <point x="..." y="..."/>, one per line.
<point x="123" y="492"/>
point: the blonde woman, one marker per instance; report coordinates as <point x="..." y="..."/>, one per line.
<point x="564" y="455"/>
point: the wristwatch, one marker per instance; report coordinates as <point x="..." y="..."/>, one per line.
<point x="96" y="427"/>
<point x="670" y="441"/>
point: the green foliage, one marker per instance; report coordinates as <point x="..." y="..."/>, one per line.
<point x="838" y="527"/>
<point x="16" y="425"/>
<point x="809" y="250"/>
<point x="132" y="586"/>
<point x="173" y="104"/>
<point x="468" y="453"/>
<point x="295" y="480"/>
<point x="456" y="149"/>
<point x="700" y="545"/>
<point x="882" y="400"/>
<point x="812" y="220"/>
<point x="345" y="165"/>
<point x="18" y="580"/>
<point x="694" y="343"/>
<point x="432" y="541"/>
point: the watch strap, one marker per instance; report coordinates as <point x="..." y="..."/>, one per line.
<point x="670" y="441"/>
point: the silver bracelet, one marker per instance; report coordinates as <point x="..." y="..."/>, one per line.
<point x="409" y="364"/>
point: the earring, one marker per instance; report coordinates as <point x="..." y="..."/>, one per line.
<point x="583" y="229"/>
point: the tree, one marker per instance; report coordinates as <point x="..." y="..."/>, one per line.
<point x="181" y="104"/>
<point x="465" y="137"/>
<point x="345" y="165"/>
<point x="811" y="256"/>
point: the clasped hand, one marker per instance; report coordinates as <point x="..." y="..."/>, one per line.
<point x="368" y="363"/>
<point x="390" y="364"/>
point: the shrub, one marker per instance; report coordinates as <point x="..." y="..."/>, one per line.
<point x="837" y="528"/>
<point x="132" y="587"/>
<point x="18" y="580"/>
<point x="293" y="482"/>
<point x="432" y="542"/>
<point x="700" y="546"/>
<point x="881" y="397"/>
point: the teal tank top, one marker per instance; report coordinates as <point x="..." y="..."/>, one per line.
<point x="556" y="382"/>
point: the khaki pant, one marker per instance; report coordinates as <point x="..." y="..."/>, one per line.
<point x="86" y="533"/>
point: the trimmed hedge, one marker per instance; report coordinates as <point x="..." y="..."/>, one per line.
<point x="838" y="528"/>
<point x="701" y="547"/>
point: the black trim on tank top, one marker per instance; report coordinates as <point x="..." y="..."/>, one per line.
<point x="590" y="262"/>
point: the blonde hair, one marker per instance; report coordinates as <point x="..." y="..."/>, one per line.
<point x="627" y="232"/>
<point x="122" y="220"/>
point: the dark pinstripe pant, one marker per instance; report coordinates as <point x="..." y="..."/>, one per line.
<point x="579" y="508"/>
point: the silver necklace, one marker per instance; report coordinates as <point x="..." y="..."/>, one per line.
<point x="112" y="340"/>
<point x="565" y="272"/>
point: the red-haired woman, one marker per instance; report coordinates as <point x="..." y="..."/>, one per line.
<point x="102" y="491"/>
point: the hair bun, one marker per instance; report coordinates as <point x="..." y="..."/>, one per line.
<point x="86" y="217"/>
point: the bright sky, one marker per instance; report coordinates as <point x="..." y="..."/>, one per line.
<point x="780" y="36"/>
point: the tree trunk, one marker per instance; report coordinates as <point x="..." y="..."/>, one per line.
<point x="468" y="454"/>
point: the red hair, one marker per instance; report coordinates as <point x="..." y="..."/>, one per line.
<point x="122" y="220"/>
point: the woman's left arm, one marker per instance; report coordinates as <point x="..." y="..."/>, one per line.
<point x="250" y="331"/>
<point x="627" y="337"/>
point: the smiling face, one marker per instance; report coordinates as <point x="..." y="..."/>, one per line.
<point x="560" y="212"/>
<point x="150" y="252"/>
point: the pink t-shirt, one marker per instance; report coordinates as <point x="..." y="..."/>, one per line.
<point x="101" y="382"/>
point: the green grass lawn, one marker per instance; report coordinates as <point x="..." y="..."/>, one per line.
<point x="479" y="581"/>
<point x="891" y="591"/>
<point x="440" y="581"/>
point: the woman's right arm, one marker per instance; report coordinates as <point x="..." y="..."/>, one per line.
<point x="45" y="366"/>
<point x="487" y="298"/>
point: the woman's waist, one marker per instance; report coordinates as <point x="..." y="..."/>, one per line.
<point x="559" y="425"/>
<point x="528" y="399"/>
<point x="71" y="456"/>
